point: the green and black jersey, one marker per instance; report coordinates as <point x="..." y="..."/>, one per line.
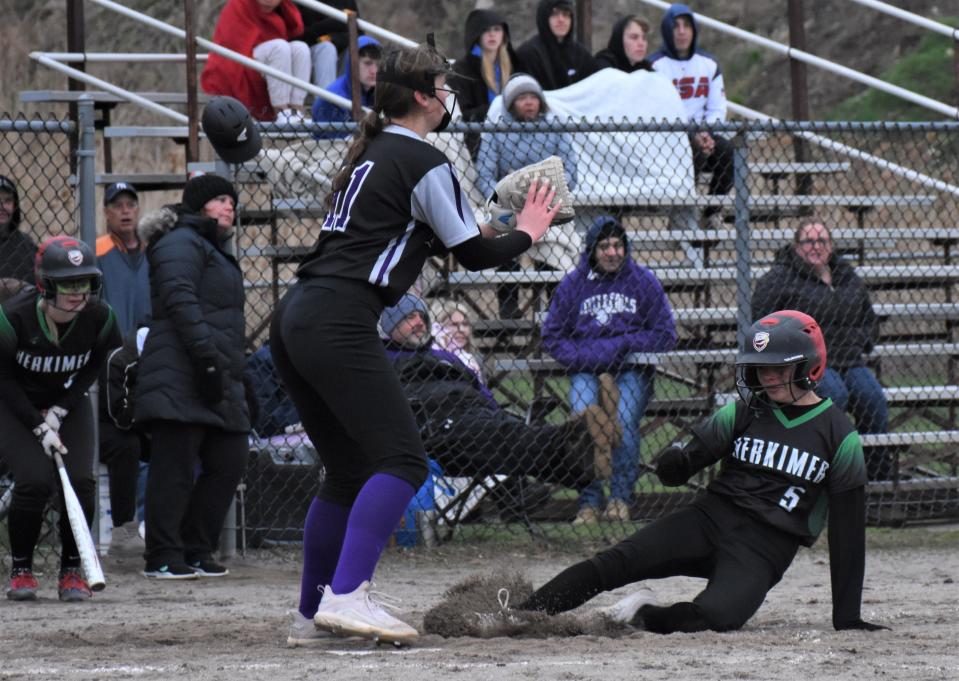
<point x="781" y="465"/>
<point x="37" y="372"/>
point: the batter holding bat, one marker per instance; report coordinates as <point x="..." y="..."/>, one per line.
<point x="788" y="457"/>
<point x="396" y="200"/>
<point x="53" y="340"/>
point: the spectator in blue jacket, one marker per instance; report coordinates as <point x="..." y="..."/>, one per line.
<point x="603" y="311"/>
<point x="369" y="53"/>
<point x="503" y="152"/>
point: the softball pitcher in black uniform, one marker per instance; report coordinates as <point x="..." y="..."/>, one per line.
<point x="53" y="340"/>
<point x="787" y="457"/>
<point x="396" y="200"/>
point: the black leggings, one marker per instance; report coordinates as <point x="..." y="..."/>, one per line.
<point x="36" y="481"/>
<point x="120" y="450"/>
<point x="327" y="352"/>
<point x="742" y="559"/>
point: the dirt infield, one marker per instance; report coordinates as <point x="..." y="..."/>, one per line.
<point x="235" y="627"/>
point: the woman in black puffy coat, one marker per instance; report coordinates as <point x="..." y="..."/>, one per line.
<point x="190" y="395"/>
<point x="807" y="276"/>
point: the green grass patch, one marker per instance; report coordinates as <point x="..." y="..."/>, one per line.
<point x="928" y="70"/>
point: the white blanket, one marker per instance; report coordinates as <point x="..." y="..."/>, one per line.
<point x="618" y="165"/>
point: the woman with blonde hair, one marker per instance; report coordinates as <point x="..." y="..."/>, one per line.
<point x="453" y="331"/>
<point x="483" y="71"/>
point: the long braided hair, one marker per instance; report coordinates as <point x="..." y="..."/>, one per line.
<point x="402" y="72"/>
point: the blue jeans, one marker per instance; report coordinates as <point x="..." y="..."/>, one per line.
<point x="636" y="389"/>
<point x="857" y="391"/>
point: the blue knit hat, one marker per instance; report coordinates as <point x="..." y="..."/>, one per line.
<point x="391" y="316"/>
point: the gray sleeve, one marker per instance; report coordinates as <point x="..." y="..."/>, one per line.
<point x="439" y="201"/>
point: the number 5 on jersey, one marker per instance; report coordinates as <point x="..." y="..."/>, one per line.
<point x="791" y="497"/>
<point x="339" y="216"/>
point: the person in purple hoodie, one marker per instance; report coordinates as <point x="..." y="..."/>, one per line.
<point x="603" y="311"/>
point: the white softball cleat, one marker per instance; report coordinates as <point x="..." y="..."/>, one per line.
<point x="357" y="614"/>
<point x="303" y="632"/>
<point x="625" y="609"/>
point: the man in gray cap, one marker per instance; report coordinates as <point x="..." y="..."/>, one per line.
<point x="17" y="249"/>
<point x="126" y="287"/>
<point x="126" y="278"/>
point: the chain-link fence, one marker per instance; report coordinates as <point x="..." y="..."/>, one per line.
<point x="579" y="363"/>
<point x="37" y="200"/>
<point x="713" y="241"/>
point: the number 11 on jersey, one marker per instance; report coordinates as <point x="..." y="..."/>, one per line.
<point x="339" y="216"/>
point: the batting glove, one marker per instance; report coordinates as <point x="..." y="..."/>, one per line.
<point x="672" y="466"/>
<point x="49" y="440"/>
<point x="55" y="417"/>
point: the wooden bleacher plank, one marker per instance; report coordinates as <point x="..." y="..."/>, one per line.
<point x="871" y="274"/>
<point x="718" y="356"/>
<point x="311" y="207"/>
<point x="799" y="167"/>
<point x="145" y="181"/>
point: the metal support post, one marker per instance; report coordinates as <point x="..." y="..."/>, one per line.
<point x="743" y="269"/>
<point x="86" y="163"/>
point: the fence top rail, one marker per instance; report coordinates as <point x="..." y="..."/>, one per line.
<point x="26" y="125"/>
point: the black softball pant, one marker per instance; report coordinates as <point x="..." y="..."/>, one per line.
<point x="121" y="451"/>
<point x="36" y="480"/>
<point x="330" y="357"/>
<point x="741" y="558"/>
<point x="185" y="509"/>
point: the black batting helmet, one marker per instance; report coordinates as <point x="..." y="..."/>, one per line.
<point x="231" y="130"/>
<point x="63" y="258"/>
<point x="779" y="339"/>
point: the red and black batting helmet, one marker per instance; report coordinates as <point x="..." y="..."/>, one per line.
<point x="63" y="258"/>
<point x="780" y="339"/>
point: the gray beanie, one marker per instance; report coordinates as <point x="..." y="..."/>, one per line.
<point x="521" y="84"/>
<point x="391" y="316"/>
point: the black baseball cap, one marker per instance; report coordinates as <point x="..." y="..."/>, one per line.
<point x="114" y="190"/>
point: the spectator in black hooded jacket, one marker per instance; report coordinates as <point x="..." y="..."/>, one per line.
<point x="17" y="249"/>
<point x="190" y="393"/>
<point x="553" y="57"/>
<point x="807" y="276"/>
<point x="483" y="71"/>
<point x="627" y="46"/>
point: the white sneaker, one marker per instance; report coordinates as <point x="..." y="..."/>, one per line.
<point x="126" y="540"/>
<point x="357" y="614"/>
<point x="625" y="609"/>
<point x="289" y="117"/>
<point x="303" y="632"/>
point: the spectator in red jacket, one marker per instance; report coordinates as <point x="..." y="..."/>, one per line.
<point x="264" y="30"/>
